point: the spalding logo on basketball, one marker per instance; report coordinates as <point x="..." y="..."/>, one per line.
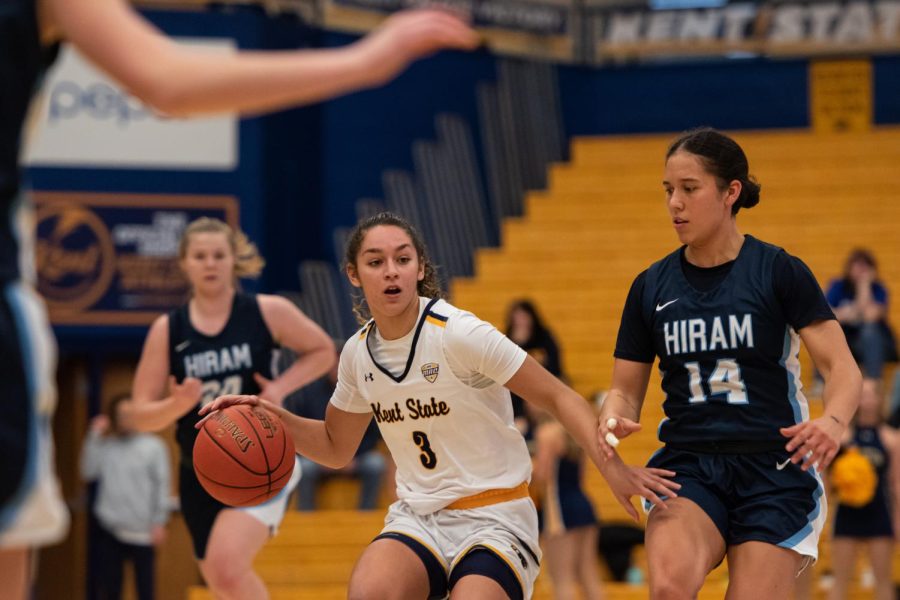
<point x="243" y="456"/>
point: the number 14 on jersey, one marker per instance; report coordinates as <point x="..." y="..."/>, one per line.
<point x="724" y="379"/>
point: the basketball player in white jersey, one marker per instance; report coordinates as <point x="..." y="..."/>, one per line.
<point x="437" y="380"/>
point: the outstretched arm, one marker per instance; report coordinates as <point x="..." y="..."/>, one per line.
<point x="178" y="80"/>
<point x="536" y="385"/>
<point x="331" y="442"/>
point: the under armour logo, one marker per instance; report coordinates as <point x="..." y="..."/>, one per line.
<point x="369" y="377"/>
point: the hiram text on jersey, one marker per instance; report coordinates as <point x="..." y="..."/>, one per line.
<point x="214" y="362"/>
<point x="702" y="335"/>
<point x="415" y="409"/>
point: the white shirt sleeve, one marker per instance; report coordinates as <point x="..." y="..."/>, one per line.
<point x="477" y="351"/>
<point x="346" y="395"/>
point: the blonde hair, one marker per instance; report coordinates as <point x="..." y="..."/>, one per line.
<point x="248" y="262"/>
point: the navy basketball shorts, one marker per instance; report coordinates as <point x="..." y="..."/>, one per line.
<point x="32" y="512"/>
<point x="759" y="497"/>
<point x="200" y="510"/>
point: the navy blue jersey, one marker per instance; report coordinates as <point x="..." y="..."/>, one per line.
<point x="728" y="351"/>
<point x="22" y="61"/>
<point x="224" y="362"/>
<point x="873" y="519"/>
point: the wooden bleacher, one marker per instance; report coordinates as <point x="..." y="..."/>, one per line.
<point x="314" y="553"/>
<point x="576" y="251"/>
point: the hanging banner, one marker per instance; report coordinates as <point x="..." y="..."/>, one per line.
<point x="840" y="95"/>
<point x="86" y="120"/>
<point x="112" y="259"/>
<point x="544" y="28"/>
<point x="612" y="31"/>
<point x="742" y="29"/>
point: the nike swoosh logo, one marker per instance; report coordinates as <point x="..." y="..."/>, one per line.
<point x="782" y="465"/>
<point x="182" y="345"/>
<point x="659" y="307"/>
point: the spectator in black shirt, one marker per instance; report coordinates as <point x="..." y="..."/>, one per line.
<point x="525" y="327"/>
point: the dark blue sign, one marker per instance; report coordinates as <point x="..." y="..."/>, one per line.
<point x="112" y="259"/>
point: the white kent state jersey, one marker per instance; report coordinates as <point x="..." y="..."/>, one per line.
<point x="442" y="411"/>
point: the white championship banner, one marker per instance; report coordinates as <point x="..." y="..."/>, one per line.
<point x="85" y="120"/>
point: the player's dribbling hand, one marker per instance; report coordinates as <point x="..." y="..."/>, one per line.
<point x="814" y="443"/>
<point x="653" y="484"/>
<point x="233" y="400"/>
<point x="412" y="34"/>
<point x="611" y="430"/>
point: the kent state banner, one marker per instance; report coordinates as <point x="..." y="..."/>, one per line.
<point x="735" y="29"/>
<point x="610" y="31"/>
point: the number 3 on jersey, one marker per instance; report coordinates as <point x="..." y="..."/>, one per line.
<point x="725" y="379"/>
<point x="429" y="460"/>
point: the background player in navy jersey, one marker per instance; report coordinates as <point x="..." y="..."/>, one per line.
<point x="725" y="314"/>
<point x="173" y="80"/>
<point x="568" y="522"/>
<point x="437" y="380"/>
<point x="873" y="524"/>
<point x="222" y="341"/>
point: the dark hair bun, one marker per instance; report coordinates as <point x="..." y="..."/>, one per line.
<point x="749" y="193"/>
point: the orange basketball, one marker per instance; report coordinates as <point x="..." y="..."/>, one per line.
<point x="243" y="456"/>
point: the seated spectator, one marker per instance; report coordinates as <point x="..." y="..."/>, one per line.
<point x="525" y="327"/>
<point x="860" y="304"/>
<point x="132" y="504"/>
<point x="369" y="465"/>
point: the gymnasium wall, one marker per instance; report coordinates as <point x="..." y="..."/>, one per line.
<point x="366" y="133"/>
<point x="300" y="172"/>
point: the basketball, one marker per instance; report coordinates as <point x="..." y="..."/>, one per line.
<point x="243" y="456"/>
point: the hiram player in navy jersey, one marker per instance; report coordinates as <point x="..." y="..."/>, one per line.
<point x="173" y="79"/>
<point x="437" y="380"/>
<point x="725" y="314"/>
<point x="222" y="341"/>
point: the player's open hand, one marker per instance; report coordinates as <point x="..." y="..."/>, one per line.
<point x="814" y="443"/>
<point x="233" y="400"/>
<point x="653" y="484"/>
<point x="188" y="392"/>
<point x="409" y="35"/>
<point x="269" y="390"/>
<point x="611" y="430"/>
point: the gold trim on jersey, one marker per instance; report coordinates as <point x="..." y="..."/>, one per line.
<point x="490" y="497"/>
<point x="434" y="321"/>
